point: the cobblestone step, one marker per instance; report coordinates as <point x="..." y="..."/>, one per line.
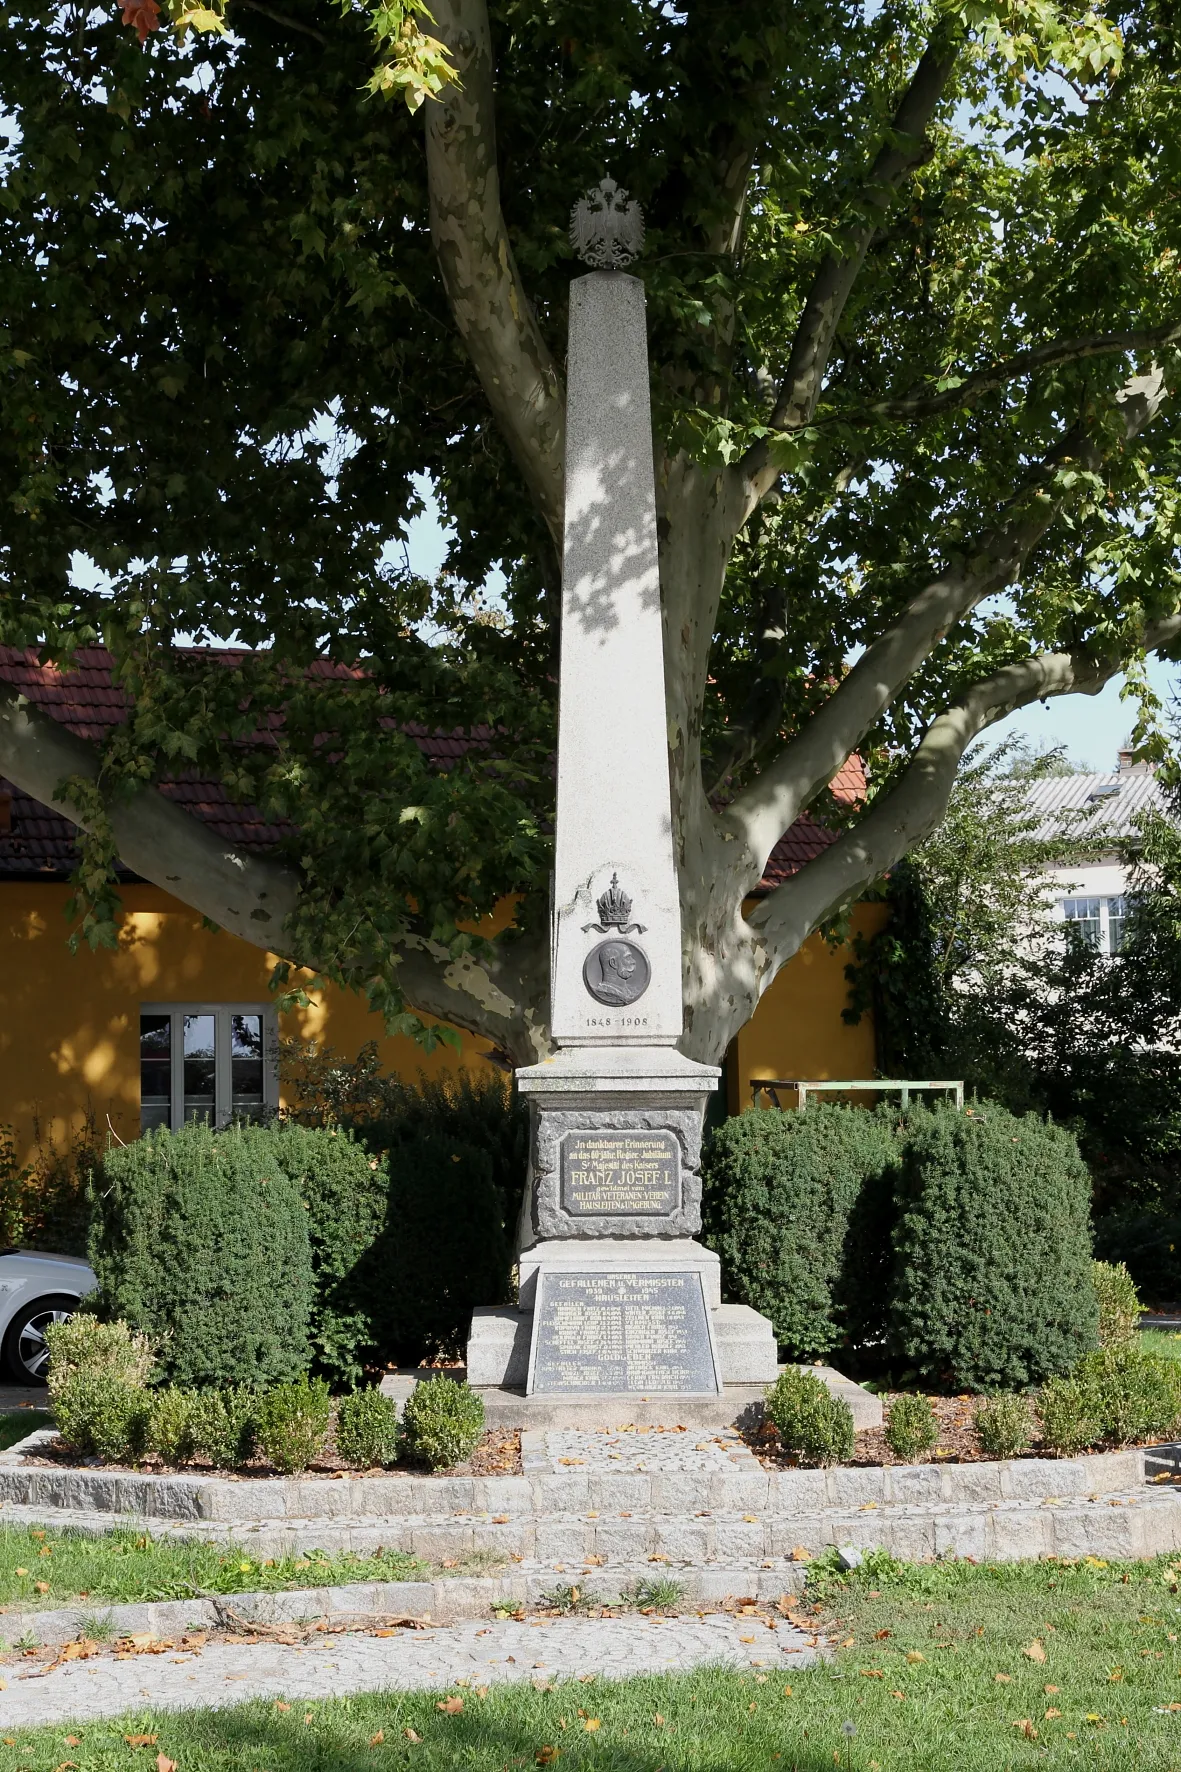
<point x="1133" y="1523"/>
<point x="731" y="1480"/>
<point x="442" y="1601"/>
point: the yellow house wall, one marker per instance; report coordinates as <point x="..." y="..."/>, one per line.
<point x="69" y="1027"/>
<point x="69" y="1031"/>
<point x="797" y="1031"/>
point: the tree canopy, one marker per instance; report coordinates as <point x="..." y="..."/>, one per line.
<point x="912" y="275"/>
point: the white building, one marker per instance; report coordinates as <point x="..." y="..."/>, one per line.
<point x="1101" y="810"/>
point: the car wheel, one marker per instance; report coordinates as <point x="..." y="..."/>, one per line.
<point x="26" y="1355"/>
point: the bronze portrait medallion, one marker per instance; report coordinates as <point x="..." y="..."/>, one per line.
<point x="617" y="972"/>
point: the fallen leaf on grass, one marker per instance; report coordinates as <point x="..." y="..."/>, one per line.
<point x="73" y="1741"/>
<point x="1115" y="1676"/>
<point x="279" y="1705"/>
<point x="913" y="1656"/>
<point x="141" y="1740"/>
<point x="659" y="1720"/>
<point x="1051" y="1714"/>
<point x="1051" y="1689"/>
<point x="545" y="1756"/>
<point x="879" y="1636"/>
<point x="164" y="1764"/>
<point x="1026" y="1727"/>
<point x="1034" y="1651"/>
<point x="1003" y="1679"/>
<point x="451" y="1707"/>
<point x="591" y="1724"/>
<point x="376" y="1740"/>
<point x="872" y="1673"/>
<point x="898" y="1695"/>
<point x="412" y="1735"/>
<point x="848" y="1642"/>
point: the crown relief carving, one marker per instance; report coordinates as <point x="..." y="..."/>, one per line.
<point x="615" y="909"/>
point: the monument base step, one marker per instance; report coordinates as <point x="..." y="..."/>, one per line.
<point x="509" y="1407"/>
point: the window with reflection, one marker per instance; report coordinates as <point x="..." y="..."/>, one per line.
<point x="203" y="1061"/>
<point x="155" y="1071"/>
<point x="246" y="1064"/>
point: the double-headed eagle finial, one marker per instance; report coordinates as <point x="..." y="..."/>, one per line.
<point x="607" y="227"/>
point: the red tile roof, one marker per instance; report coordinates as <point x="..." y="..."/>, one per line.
<point x="40" y="843"/>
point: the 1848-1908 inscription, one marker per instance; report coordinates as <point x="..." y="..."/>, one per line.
<point x="627" y="1174"/>
<point x="640" y="1332"/>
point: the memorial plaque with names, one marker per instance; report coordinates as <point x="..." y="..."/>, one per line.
<point x="647" y="1333"/>
<point x="626" y="1174"/>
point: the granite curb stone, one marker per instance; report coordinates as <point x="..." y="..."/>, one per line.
<point x="744" y="1486"/>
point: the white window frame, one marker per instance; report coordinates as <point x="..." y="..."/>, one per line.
<point x="1105" y="900"/>
<point x="222" y="1074"/>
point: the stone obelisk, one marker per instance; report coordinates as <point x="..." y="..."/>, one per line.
<point x="616" y="1298"/>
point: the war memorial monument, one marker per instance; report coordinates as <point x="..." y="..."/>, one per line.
<point x="617" y="1299"/>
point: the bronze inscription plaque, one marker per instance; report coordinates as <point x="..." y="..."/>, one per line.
<point x="624" y="1174"/>
<point x="609" y="1331"/>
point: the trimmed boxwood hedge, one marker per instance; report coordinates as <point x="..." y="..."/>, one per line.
<point x="797" y="1206"/>
<point x="200" y="1239"/>
<point x="991" y="1286"/>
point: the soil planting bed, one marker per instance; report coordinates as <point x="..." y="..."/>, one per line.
<point x="957" y="1443"/>
<point x="497" y="1455"/>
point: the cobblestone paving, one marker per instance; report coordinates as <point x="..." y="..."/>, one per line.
<point x="471" y="1654"/>
<point x="628" y="1448"/>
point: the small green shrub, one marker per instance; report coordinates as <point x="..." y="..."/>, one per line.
<point x="293" y="1423"/>
<point x="911" y="1427"/>
<point x="442" y="1422"/>
<point x="813" y="1425"/>
<point x="1003" y="1425"/>
<point x="784" y="1196"/>
<point x="200" y="1239"/>
<point x="1148" y="1243"/>
<point x="168" y="1425"/>
<point x="101" y="1416"/>
<point x="1067" y="1410"/>
<point x="85" y="1345"/>
<point x="367" y="1428"/>
<point x="1133" y="1396"/>
<point x="1119" y="1303"/>
<point x="223" y="1426"/>
<point x="991" y="1287"/>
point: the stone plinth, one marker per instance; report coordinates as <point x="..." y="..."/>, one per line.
<point x="616" y="1143"/>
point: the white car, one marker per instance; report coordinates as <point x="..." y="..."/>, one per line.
<point x="35" y="1291"/>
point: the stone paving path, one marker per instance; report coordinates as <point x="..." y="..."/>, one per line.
<point x="473" y="1654"/>
<point x="630" y="1448"/>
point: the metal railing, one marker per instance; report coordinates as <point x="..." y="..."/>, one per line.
<point x="804" y="1087"/>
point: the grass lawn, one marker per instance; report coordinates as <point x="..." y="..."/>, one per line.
<point x="1166" y="1342"/>
<point x="915" y="1688"/>
<point x="15" y="1425"/>
<point x="59" y="1568"/>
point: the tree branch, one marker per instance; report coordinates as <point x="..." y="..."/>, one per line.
<point x="910" y="810"/>
<point x="480" y="275"/>
<point x="918" y="404"/>
<point x="838" y="270"/>
<point x="248" y="894"/>
<point x="497" y="998"/>
<point x="766" y="809"/>
<point x="252" y="895"/>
